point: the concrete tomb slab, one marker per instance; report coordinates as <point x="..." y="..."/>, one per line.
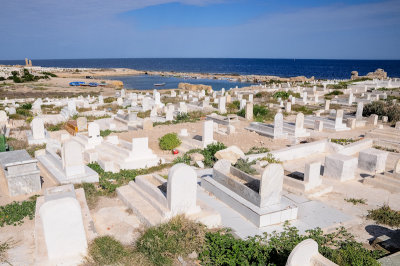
<point x="372" y="160"/>
<point x="340" y="167"/>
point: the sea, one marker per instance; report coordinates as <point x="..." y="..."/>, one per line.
<point x="319" y="68"/>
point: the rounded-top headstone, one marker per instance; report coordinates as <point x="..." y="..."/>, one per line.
<point x="182" y="189"/>
<point x="302" y="253"/>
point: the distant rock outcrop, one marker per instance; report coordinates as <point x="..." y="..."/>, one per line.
<point x="194" y="87"/>
<point x="377" y="74"/>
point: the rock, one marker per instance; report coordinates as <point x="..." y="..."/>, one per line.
<point x="232" y="154"/>
<point x="194" y="87"/>
<point x="196" y="157"/>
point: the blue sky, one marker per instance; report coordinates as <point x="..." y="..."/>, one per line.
<point x="346" y="29"/>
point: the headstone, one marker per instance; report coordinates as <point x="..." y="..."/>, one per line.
<point x="93" y="130"/>
<point x="119" y="101"/>
<point x="385" y="119"/>
<point x="299" y="124"/>
<point x="101" y="100"/>
<point x="318" y="125"/>
<point x="3" y="117"/>
<point x="288" y="108"/>
<point x="249" y="111"/>
<point x="228" y="98"/>
<point x="359" y="112"/>
<point x="242" y="104"/>
<point x="81" y="123"/>
<point x="72" y="158"/>
<point x="373" y="120"/>
<point x="305" y="97"/>
<point x="351" y="123"/>
<point x="208" y="133"/>
<point x="271" y="185"/>
<point x="37" y="128"/>
<point x="278" y="125"/>
<point x="63" y="229"/>
<point x="397" y="126"/>
<point x="397" y="167"/>
<point x="327" y="105"/>
<point x="339" y="118"/>
<point x="182" y="189"/>
<point x="312" y="174"/>
<point x="222" y="105"/>
<point x="251" y="98"/>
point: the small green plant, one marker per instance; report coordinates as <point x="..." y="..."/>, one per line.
<point x="164" y="243"/>
<point x="335" y="92"/>
<point x="169" y="141"/>
<point x="105" y="133"/>
<point x="270" y="158"/>
<point x="4" y="247"/>
<point x="356" y="201"/>
<point x="302" y="109"/>
<point x="257" y="150"/>
<point x="26" y="106"/>
<point x="57" y="127"/>
<point x="343" y="142"/>
<point x="386" y="149"/>
<point x="15" y="212"/>
<point x="245" y="166"/>
<point x="105" y="250"/>
<point x="91" y="193"/>
<point x="32" y="148"/>
<point x="385" y="215"/>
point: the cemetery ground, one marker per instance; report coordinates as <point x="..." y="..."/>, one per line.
<point x="110" y="173"/>
<point x="113" y="218"/>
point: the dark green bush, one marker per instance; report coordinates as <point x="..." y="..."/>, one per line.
<point x="209" y="152"/>
<point x="385" y="215"/>
<point x="169" y="141"/>
<point x="392" y="111"/>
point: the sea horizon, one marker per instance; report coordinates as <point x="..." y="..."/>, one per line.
<point x="319" y="68"/>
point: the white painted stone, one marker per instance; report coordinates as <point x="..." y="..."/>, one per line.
<point x="232" y="154"/>
<point x="81" y="123"/>
<point x="318" y="125"/>
<point x="184" y="132"/>
<point x="208" y="133"/>
<point x="340" y="167"/>
<point x="72" y="158"/>
<point x="359" y="112"/>
<point x="312" y="175"/>
<point x="182" y="190"/>
<point x="249" y="111"/>
<point x="372" y="160"/>
<point x="271" y="185"/>
<point x="373" y="120"/>
<point x="63" y="229"/>
<point x="37" y="128"/>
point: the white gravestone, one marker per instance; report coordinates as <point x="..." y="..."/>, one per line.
<point x="208" y="133"/>
<point x="271" y="185"/>
<point x="182" y="190"/>
<point x="37" y="128"/>
<point x="72" y="158"/>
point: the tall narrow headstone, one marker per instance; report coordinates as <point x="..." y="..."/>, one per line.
<point x="339" y="118"/>
<point x="359" y="112"/>
<point x="208" y="133"/>
<point x="249" y="111"/>
<point x="271" y="185"/>
<point x="327" y="105"/>
<point x="222" y="105"/>
<point x="278" y="125"/>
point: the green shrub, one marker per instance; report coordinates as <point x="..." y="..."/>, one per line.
<point x="245" y="166"/>
<point x="385" y="215"/>
<point x="51" y="127"/>
<point x="164" y="243"/>
<point x="335" y="92"/>
<point x="105" y="250"/>
<point x="221" y="248"/>
<point x="15" y="212"/>
<point x="109" y="100"/>
<point x="27" y="106"/>
<point x="169" y="141"/>
<point x="209" y="153"/>
<point x="105" y="133"/>
<point x="260" y="113"/>
<point x="302" y="109"/>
